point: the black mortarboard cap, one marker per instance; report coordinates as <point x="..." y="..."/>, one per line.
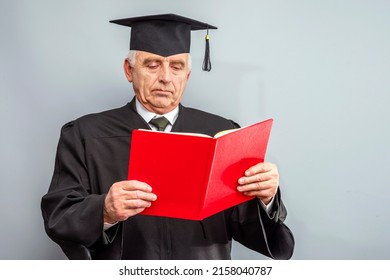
<point x="165" y="34"/>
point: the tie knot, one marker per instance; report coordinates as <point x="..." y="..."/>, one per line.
<point x="160" y="122"/>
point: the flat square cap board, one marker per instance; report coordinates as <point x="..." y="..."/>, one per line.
<point x="164" y="34"/>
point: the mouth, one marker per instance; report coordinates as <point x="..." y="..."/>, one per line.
<point x="162" y="92"/>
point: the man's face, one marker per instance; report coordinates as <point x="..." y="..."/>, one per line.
<point x="158" y="81"/>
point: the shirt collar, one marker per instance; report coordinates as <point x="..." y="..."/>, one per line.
<point x="148" y="116"/>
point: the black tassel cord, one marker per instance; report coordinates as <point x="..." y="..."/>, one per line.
<point x="206" y="62"/>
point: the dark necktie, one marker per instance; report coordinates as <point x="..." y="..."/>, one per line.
<point x="160" y="122"/>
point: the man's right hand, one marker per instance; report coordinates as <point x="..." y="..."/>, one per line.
<point x="126" y="199"/>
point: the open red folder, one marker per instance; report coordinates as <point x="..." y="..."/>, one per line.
<point x="193" y="175"/>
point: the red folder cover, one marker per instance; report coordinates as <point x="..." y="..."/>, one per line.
<point x="195" y="176"/>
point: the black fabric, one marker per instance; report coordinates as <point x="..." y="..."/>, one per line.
<point x="165" y="34"/>
<point x="93" y="153"/>
<point x="162" y="38"/>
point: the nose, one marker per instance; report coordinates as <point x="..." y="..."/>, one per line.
<point x="165" y="74"/>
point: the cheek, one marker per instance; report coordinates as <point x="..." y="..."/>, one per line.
<point x="181" y="84"/>
<point x="149" y="79"/>
<point x="143" y="84"/>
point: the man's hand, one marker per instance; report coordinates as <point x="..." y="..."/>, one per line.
<point x="261" y="180"/>
<point x="126" y="199"/>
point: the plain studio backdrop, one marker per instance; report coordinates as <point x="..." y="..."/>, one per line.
<point x="321" y="69"/>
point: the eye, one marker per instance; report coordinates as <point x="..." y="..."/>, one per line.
<point x="153" y="65"/>
<point x="177" y="66"/>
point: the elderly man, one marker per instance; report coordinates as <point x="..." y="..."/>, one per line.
<point x="93" y="212"/>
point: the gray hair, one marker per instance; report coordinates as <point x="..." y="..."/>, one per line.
<point x="132" y="54"/>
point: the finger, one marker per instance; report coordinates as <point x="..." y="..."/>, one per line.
<point x="136" y="204"/>
<point x="140" y="195"/>
<point x="261" y="167"/>
<point x="257" y="186"/>
<point x="264" y="192"/>
<point x="260" y="177"/>
<point x="260" y="194"/>
<point x="132" y="185"/>
<point x="121" y="209"/>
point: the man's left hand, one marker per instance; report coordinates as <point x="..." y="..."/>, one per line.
<point x="261" y="180"/>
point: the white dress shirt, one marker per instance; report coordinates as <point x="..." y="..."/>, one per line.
<point x="148" y="116"/>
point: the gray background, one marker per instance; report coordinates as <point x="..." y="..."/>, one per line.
<point x="320" y="68"/>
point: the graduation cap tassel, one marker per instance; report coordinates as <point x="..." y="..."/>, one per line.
<point x="206" y="62"/>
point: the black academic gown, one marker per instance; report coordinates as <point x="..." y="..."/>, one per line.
<point x="93" y="153"/>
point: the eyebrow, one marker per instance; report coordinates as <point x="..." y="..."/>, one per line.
<point x="178" y="61"/>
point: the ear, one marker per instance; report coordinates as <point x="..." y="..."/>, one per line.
<point x="188" y="75"/>
<point x="127" y="69"/>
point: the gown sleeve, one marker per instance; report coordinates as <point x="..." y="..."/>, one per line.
<point x="265" y="233"/>
<point x="73" y="216"/>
